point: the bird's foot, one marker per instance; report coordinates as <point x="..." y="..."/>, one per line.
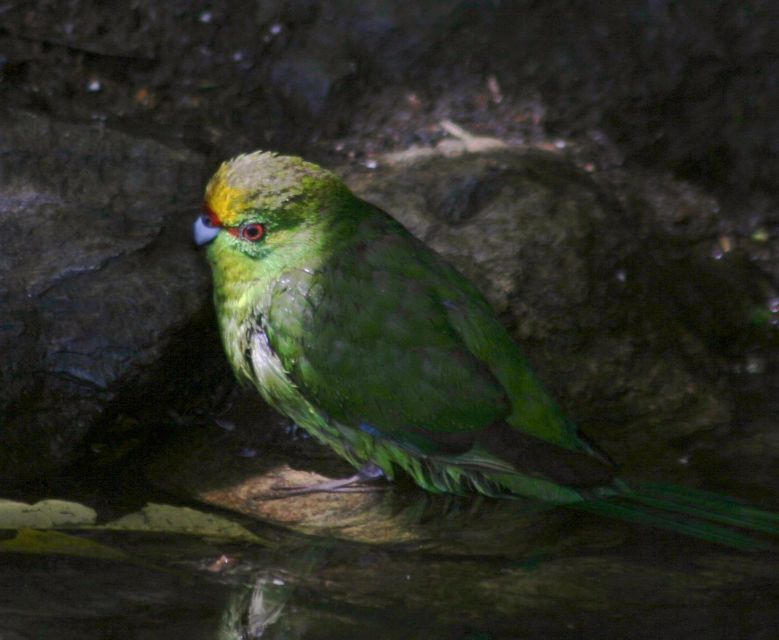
<point x="368" y="473"/>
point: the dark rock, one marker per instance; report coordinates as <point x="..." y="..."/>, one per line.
<point x="98" y="279"/>
<point x="691" y="86"/>
<point x="307" y="80"/>
<point x="459" y="198"/>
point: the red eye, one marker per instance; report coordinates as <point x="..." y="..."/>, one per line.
<point x="252" y="232"/>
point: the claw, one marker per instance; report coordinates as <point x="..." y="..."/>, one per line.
<point x="367" y="473"/>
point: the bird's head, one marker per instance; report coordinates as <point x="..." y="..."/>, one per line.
<point x="260" y="203"/>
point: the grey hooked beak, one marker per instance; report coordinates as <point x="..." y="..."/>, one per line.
<point x="203" y="230"/>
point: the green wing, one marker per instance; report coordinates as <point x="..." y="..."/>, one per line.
<point x="387" y="337"/>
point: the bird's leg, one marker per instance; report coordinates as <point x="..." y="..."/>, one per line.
<point x="367" y="472"/>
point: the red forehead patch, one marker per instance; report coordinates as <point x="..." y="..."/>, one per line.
<point x="212" y="217"/>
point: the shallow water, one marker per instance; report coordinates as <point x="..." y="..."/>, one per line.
<point x="558" y="575"/>
<point x="396" y="563"/>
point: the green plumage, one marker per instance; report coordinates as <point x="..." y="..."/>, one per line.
<point x="376" y="346"/>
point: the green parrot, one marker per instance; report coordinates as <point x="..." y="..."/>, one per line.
<point x="377" y="347"/>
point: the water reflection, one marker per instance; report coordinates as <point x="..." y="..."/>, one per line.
<point x="457" y="569"/>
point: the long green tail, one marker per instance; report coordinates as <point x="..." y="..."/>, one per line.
<point x="699" y="514"/>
